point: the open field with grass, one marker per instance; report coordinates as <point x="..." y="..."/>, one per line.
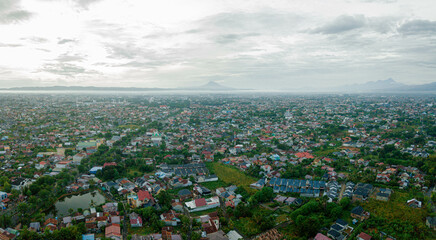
<point x="205" y="212"/>
<point x="214" y="185"/>
<point x="141" y="230"/>
<point x="396" y="208"/>
<point x="323" y="153"/>
<point x="231" y="175"/>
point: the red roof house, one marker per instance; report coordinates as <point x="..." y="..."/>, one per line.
<point x="200" y="202"/>
<point x="113" y="231"/>
<point x="364" y="236"/>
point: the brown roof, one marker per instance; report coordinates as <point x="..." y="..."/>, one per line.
<point x="364" y="236"/>
<point x="113" y="230"/>
<point x="50" y="221"/>
<point x="4" y="235"/>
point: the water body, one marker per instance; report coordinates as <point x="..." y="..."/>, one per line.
<point x="75" y="202"/>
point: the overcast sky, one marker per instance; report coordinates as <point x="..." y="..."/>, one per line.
<point x="270" y="44"/>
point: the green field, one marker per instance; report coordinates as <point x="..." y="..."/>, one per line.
<point x="396" y="208"/>
<point x="204" y="212"/>
<point x="231" y="175"/>
<point x="214" y="185"/>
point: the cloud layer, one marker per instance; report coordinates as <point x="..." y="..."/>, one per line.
<point x="275" y="44"/>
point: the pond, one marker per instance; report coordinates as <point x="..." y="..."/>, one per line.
<point x="83" y="201"/>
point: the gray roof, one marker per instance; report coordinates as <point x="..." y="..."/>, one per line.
<point x="184" y="192"/>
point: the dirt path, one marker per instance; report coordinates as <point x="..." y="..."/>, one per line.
<point x="341" y="193"/>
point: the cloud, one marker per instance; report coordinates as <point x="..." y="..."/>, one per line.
<point x="267" y="21"/>
<point x="380" y="1"/>
<point x="231" y="38"/>
<point x="6" y="5"/>
<point x="63" y="41"/>
<point x="341" y="24"/>
<point x="123" y="51"/>
<point x="65" y="69"/>
<point x="417" y="26"/>
<point x="69" y="58"/>
<point x="35" y="39"/>
<point x="11" y="12"/>
<point x="82" y="4"/>
<point x="85" y="3"/>
<point x="10" y="45"/>
<point x="383" y="24"/>
<point x="259" y="44"/>
<point x="143" y="64"/>
<point x="18" y="81"/>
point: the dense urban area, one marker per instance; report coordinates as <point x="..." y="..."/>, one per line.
<point x="217" y="167"/>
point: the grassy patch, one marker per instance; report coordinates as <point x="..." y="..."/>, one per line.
<point x="214" y="185"/>
<point x="250" y="226"/>
<point x="132" y="171"/>
<point x="129" y="126"/>
<point x="395" y="208"/>
<point x="205" y="212"/>
<point x="231" y="175"/>
<point x="323" y="153"/>
<point x="282" y="218"/>
<point x="139" y="230"/>
<point x="175" y="191"/>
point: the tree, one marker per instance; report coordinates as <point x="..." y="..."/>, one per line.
<point x="69" y="152"/>
<point x="186" y="223"/>
<point x="195" y="236"/>
<point x="156" y="223"/>
<point x="120" y="207"/>
<point x="336" y="212"/>
<point x="7" y="187"/>
<point x="243" y="210"/>
<point x="5" y="220"/>
<point x="264" y="195"/>
<point x="113" y="191"/>
<point x="307" y="226"/>
<point x="345" y="203"/>
<point x="23" y="208"/>
<point x="3" y="180"/>
<point x="164" y="198"/>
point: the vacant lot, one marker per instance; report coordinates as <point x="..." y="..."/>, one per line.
<point x="396" y="208"/>
<point x="214" y="185"/>
<point x="232" y="175"/>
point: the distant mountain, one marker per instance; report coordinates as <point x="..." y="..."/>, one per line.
<point x="214" y="86"/>
<point x="82" y="88"/>
<point x="374" y="85"/>
<point x="420" y="88"/>
<point x="388" y="85"/>
<point x="210" y="86"/>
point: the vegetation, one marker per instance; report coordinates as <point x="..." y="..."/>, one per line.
<point x="396" y="228"/>
<point x="396" y="209"/>
<point x="251" y="220"/>
<point x="68" y="233"/>
<point x="151" y="219"/>
<point x="214" y="185"/>
<point x="231" y="175"/>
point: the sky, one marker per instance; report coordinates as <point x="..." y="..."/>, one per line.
<point x="269" y="44"/>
